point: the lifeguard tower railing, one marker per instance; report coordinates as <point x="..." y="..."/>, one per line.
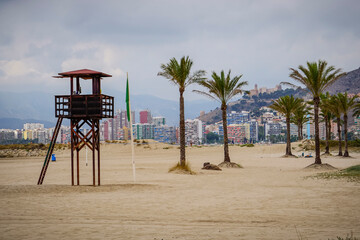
<point x="84" y="106"/>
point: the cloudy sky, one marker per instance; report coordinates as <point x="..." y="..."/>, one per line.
<point x="259" y="39"/>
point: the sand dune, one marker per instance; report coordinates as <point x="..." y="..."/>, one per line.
<point x="269" y="198"/>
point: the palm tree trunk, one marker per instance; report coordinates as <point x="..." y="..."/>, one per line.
<point x="329" y="125"/>
<point x="226" y="147"/>
<point x="317" y="135"/>
<point x="182" y="128"/>
<point x="299" y="131"/>
<point x="339" y="135"/>
<point x="327" y="135"/>
<point x="288" y="140"/>
<point x="346" y="153"/>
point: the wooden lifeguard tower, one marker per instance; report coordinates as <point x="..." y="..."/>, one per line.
<point x="82" y="110"/>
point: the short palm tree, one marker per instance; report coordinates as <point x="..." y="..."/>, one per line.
<point x="316" y="77"/>
<point x="334" y="106"/>
<point x="345" y="105"/>
<point x="300" y="117"/>
<point x="222" y="88"/>
<point x="179" y="74"/>
<point x="287" y="105"/>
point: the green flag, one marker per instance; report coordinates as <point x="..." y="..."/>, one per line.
<point x="128" y="100"/>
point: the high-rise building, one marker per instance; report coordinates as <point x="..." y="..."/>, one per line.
<point x="33" y="126"/>
<point x="124" y="120"/>
<point x="116" y="126"/>
<point x="106" y="131"/>
<point x="145" y="116"/>
<point x="272" y="128"/>
<point x="159" y="121"/>
<point x="236" y="133"/>
<point x="164" y="133"/>
<point x="237" y="118"/>
<point x="254" y="132"/>
<point x="124" y="133"/>
<point x="322" y="130"/>
<point x="143" y="131"/>
<point x="7" y="134"/>
<point x="193" y="131"/>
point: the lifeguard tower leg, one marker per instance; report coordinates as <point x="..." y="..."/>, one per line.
<point x="50" y="151"/>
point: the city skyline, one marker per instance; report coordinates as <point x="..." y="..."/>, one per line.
<point x="242" y="128"/>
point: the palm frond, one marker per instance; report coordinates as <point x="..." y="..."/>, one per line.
<point x="207" y="95"/>
<point x="222" y="86"/>
<point x="179" y="72"/>
<point x="316" y="76"/>
<point x="287" y="105"/>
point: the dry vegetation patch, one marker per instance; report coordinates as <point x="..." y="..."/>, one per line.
<point x="351" y="174"/>
<point x="28" y="150"/>
<point x="230" y="165"/>
<point x="182" y="169"/>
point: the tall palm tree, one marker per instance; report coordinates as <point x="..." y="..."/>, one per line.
<point x="334" y="106"/>
<point x="222" y="88"/>
<point x="287" y="105"/>
<point x="316" y="77"/>
<point x="325" y="113"/>
<point x="179" y="74"/>
<point x="300" y="117"/>
<point x="345" y="105"/>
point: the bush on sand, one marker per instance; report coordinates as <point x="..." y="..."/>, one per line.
<point x="182" y="169"/>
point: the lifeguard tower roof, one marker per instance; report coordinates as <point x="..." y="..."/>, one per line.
<point x="83" y="73"/>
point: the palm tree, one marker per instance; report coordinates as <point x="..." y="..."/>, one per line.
<point x="222" y="88"/>
<point x="300" y="117"/>
<point x="325" y="113"/>
<point x="287" y="105"/>
<point x="179" y="74"/>
<point x="357" y="110"/>
<point x="345" y="105"/>
<point x="316" y="78"/>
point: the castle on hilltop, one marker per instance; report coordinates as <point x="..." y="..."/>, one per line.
<point x="256" y="91"/>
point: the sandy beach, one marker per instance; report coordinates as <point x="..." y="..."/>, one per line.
<point x="270" y="198"/>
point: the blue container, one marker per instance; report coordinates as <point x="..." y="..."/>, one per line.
<point x="53" y="158"/>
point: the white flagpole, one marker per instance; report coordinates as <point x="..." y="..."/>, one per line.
<point x="132" y="140"/>
<point x="132" y="146"/>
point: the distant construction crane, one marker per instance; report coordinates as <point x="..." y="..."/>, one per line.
<point x="82" y="110"/>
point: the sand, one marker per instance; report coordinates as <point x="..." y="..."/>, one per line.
<point x="270" y="198"/>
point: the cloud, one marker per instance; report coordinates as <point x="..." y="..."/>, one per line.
<point x="259" y="39"/>
<point x="15" y="68"/>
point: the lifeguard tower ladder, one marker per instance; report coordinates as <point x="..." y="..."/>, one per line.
<point x="81" y="110"/>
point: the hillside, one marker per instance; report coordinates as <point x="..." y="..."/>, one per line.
<point x="17" y="123"/>
<point x="247" y="103"/>
<point x="349" y="83"/>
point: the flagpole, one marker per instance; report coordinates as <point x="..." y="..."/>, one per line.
<point x="131" y="132"/>
<point x="132" y="148"/>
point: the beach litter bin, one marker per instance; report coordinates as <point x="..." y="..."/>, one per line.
<point x="53" y="158"/>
